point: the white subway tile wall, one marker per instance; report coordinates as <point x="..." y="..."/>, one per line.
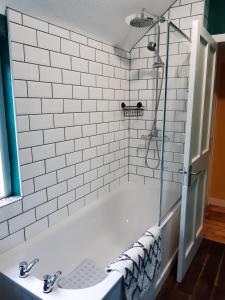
<point x="75" y="144"/>
<point x="142" y="88"/>
<point x="65" y="101"/>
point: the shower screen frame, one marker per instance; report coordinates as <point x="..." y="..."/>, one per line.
<point x="170" y="27"/>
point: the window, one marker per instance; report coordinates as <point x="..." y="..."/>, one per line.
<point x="10" y="183"/>
<point x="5" y="180"/>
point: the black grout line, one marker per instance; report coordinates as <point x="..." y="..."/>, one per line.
<point x="107" y="185"/>
<point x="66" y="54"/>
<point x="74" y="41"/>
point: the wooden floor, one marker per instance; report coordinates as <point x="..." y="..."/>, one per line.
<point x="205" y="279"/>
<point x="214" y="225"/>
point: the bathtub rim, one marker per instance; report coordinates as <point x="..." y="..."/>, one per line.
<point x="34" y="284"/>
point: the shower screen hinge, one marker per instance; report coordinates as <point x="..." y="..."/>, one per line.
<point x="183" y="172"/>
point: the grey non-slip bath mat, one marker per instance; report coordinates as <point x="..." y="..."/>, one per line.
<point x="83" y="276"/>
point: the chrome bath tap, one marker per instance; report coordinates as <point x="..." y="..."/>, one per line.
<point x="49" y="281"/>
<point x="24" y="267"/>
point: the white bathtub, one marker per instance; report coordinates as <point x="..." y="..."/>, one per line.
<point x="101" y="232"/>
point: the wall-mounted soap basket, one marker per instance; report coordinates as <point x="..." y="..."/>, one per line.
<point x="133" y="111"/>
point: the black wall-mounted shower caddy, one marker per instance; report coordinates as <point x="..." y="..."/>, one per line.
<point x="133" y="111"/>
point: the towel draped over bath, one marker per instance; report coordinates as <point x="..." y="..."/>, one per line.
<point x="140" y="264"/>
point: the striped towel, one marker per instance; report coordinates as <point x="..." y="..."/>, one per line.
<point x="140" y="264"/>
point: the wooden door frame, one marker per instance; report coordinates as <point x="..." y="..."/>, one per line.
<point x="198" y="114"/>
<point x="219" y="38"/>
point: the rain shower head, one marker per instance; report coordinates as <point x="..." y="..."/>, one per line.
<point x="141" y="21"/>
<point x="145" y="19"/>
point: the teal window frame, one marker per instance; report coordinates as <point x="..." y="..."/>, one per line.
<point x="9" y="148"/>
<point x="5" y="176"/>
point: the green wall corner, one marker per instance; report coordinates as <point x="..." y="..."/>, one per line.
<point x="216" y="17"/>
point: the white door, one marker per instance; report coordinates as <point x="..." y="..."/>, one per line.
<point x="197" y="143"/>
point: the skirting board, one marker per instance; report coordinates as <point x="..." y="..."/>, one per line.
<point x="217" y="202"/>
<point x="219" y="38"/>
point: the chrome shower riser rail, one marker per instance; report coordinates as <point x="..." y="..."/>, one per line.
<point x="149" y="28"/>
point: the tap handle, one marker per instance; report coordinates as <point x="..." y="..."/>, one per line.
<point x="47" y="278"/>
<point x="23" y="269"/>
<point x="32" y="263"/>
<point x="58" y="273"/>
<point x="56" y="276"/>
<point x="23" y="265"/>
<point x="49" y="281"/>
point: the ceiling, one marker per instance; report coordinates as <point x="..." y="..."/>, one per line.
<point x="102" y="19"/>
